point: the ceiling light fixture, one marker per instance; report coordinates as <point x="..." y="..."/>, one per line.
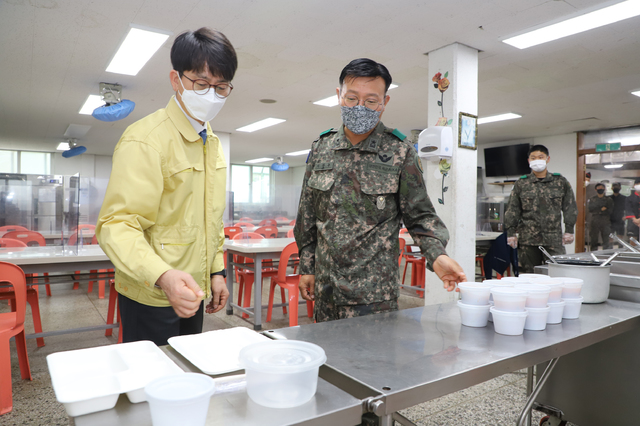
<point x="259" y="160"/>
<point x="598" y="18"/>
<point x="138" y="47"/>
<point x="613" y="166"/>
<point x="629" y="141"/>
<point x="63" y="146"/>
<point x="636" y="92"/>
<point x="332" y="101"/>
<point x="499" y="117"/>
<point x="258" y="125"/>
<point x="303" y="152"/>
<point x="92" y="102"/>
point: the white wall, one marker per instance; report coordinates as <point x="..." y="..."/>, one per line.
<point x="562" y="150"/>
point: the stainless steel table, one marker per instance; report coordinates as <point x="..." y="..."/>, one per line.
<point x="404" y="358"/>
<point x="330" y="406"/>
<point x="35" y="260"/>
<point x="258" y="250"/>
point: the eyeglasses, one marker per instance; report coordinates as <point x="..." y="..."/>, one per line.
<point x="201" y="87"/>
<point x="371" y="103"/>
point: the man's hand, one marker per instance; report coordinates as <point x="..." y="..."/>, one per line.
<point x="307" y="286"/>
<point x="448" y="271"/>
<point x="220" y="295"/>
<point x="603" y="208"/>
<point x="183" y="292"/>
<point x="567" y="238"/>
<point x="636" y="221"/>
<point x="513" y="242"/>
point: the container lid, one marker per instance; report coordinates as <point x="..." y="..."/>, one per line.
<point x="282" y="356"/>
<point x="518" y="280"/>
<point x="471" y="285"/>
<point x="515" y="291"/>
<point x="493" y="310"/>
<point x="573" y="300"/>
<point x="551" y="281"/>
<point x="572" y="281"/>
<point x="463" y="305"/>
<point x="534" y="288"/>
<point x="180" y="388"/>
<point x="499" y="283"/>
<point x="533" y="276"/>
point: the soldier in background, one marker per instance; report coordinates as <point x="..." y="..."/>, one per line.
<point x="361" y="180"/>
<point x="536" y="206"/>
<point x="617" y="214"/>
<point x="632" y="210"/>
<point x="600" y="208"/>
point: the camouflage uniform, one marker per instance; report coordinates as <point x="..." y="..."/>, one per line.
<point x="348" y="222"/>
<point x="534" y="213"/>
<point x="600" y="221"/>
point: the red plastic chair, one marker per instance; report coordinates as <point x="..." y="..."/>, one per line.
<point x="267" y="231"/>
<point x="268" y="222"/>
<point x="111" y="311"/>
<point x="281" y="218"/>
<point x="403" y="244"/>
<point x="290" y="234"/>
<point x="31" y="239"/>
<point x="101" y="283"/>
<point x="292" y="223"/>
<point x="247" y="225"/>
<point x="418" y="267"/>
<point x="73" y="240"/>
<point x="289" y="283"/>
<point x="232" y="231"/>
<point x="12" y="324"/>
<point x="9" y="228"/>
<point x="86" y="226"/>
<point x="404" y="231"/>
<point x="246" y="277"/>
<point x="245" y="219"/>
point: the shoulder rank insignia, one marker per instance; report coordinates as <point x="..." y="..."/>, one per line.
<point x="398" y="134"/>
<point x="327" y="131"/>
<point x="523" y="176"/>
<point x="556" y="174"/>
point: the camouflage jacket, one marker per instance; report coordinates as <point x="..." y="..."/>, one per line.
<point x="535" y="208"/>
<point x="352" y="200"/>
<point x="596" y="204"/>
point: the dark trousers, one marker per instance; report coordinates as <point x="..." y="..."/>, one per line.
<point x="143" y="322"/>
<point x="530" y="256"/>
<point x="600" y="227"/>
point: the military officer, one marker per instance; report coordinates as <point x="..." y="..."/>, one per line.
<point x="600" y="208"/>
<point x="361" y="180"/>
<point x="534" y="212"/>
<point x="617" y="214"/>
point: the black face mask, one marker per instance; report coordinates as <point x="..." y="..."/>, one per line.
<point x="616" y="190"/>
<point x="600" y="191"/>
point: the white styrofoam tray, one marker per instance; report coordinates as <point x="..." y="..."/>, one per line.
<point x="90" y="380"/>
<point x="216" y="352"/>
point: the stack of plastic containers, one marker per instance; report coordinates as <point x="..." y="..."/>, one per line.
<point x="474" y="304"/>
<point x="536" y="305"/>
<point x="509" y="313"/>
<point x="571" y="289"/>
<point x="555" y="299"/>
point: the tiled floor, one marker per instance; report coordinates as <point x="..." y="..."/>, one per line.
<point x="496" y="402"/>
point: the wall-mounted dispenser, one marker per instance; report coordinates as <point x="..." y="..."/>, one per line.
<point x="436" y="142"/>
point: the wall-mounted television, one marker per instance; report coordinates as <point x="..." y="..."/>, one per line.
<point x="507" y="160"/>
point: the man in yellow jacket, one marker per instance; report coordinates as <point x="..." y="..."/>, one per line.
<point x="161" y="220"/>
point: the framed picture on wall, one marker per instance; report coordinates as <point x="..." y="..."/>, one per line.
<point x="468" y="131"/>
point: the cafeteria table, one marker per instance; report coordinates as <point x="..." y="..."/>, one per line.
<point x="258" y="250"/>
<point x="397" y="360"/>
<point x="329" y="406"/>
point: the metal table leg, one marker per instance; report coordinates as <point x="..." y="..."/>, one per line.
<point x="257" y="293"/>
<point x="527" y="407"/>
<point x="230" y="275"/>
<point x="529" y="391"/>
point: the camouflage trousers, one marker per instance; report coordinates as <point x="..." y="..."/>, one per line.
<point x="325" y="308"/>
<point x="531" y="256"/>
<point x="600" y="227"/>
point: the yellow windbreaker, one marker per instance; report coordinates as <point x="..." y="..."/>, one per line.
<point x="163" y="206"/>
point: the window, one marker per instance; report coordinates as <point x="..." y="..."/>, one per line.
<point x="251" y="184"/>
<point x="26" y="162"/>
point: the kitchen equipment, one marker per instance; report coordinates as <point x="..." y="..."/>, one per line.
<point x="594" y="257"/>
<point x="508" y="323"/>
<point x="609" y="259"/>
<point x="634" y="241"/>
<point x="181" y="399"/>
<point x="556" y="311"/>
<point x="282" y="373"/>
<point x="621" y="242"/>
<point x="546" y="253"/>
<point x="473" y="315"/>
<point x="596" y="279"/>
<point x="572" y="308"/>
<point x="537" y="318"/>
<point x="475" y="293"/>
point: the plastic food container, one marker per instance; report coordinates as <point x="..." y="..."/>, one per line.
<point x="509" y="299"/>
<point x="508" y="323"/>
<point x="475" y="293"/>
<point x="497" y="283"/>
<point x="572" y="308"/>
<point x="556" y="288"/>
<point x="282" y="373"/>
<point x="556" y="312"/>
<point x="537" y="318"/>
<point x="571" y="288"/>
<point x="537" y="295"/>
<point x="517" y="280"/>
<point x="533" y="277"/>
<point x="474" y="315"/>
<point x="90" y="380"/>
<point x="181" y="399"/>
<point x="490" y="314"/>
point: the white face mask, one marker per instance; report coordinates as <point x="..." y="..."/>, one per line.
<point x="538" y="165"/>
<point x="202" y="107"/>
<point x="636" y="187"/>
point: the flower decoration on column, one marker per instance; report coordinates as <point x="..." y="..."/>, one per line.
<point x="442" y="84"/>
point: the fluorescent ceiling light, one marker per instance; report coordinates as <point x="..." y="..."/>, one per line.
<point x="636" y="92"/>
<point x="92" y="102"/>
<point x="267" y="122"/>
<point x="332" y="101"/>
<point x="259" y="160"/>
<point x="499" y="117"/>
<point x="588" y="21"/>
<point x="63" y="146"/>
<point x="136" y="49"/>
<point x="612" y="166"/>
<point x="303" y="152"/>
<point x="629" y="141"/>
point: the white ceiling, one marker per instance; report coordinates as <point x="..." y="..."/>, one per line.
<point x="53" y="54"/>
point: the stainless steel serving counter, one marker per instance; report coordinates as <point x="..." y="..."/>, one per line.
<point x="415" y="355"/>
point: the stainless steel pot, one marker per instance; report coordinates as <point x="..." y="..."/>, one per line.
<point x="596" y="279"/>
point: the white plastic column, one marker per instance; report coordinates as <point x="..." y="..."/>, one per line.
<point x="459" y="209"/>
